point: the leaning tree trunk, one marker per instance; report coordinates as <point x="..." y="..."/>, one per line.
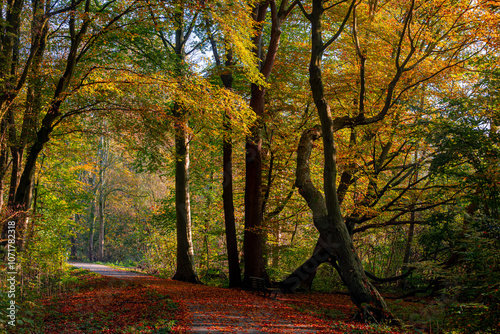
<point x="19" y="205"/>
<point x="304" y="275"/>
<point x="335" y="244"/>
<point x="327" y="216"/>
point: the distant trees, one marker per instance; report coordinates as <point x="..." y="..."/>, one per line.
<point x="84" y="23"/>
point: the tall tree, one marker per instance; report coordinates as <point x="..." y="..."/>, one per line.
<point x="254" y="230"/>
<point x="187" y="20"/>
<point x="227" y="169"/>
<point x="185" y="270"/>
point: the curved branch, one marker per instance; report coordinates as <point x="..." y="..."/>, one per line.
<point x="389" y="279"/>
<point x="341" y="28"/>
<point x="389" y="223"/>
<point x="303" y="182"/>
<point x="303" y="10"/>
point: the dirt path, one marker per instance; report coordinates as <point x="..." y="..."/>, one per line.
<point x="217" y="310"/>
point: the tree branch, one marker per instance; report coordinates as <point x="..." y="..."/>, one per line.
<point x="341" y="28"/>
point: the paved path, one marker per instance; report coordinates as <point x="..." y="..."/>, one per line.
<point x="106" y="271"/>
<point x="218" y="310"/>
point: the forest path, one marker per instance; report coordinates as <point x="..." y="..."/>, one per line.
<point x="206" y="309"/>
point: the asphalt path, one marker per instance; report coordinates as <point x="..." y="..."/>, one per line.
<point x="107" y="271"/>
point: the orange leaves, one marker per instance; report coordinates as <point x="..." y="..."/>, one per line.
<point x="140" y="306"/>
<point x="106" y="305"/>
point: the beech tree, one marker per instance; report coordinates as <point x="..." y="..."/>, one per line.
<point x="253" y="238"/>
<point x="221" y="35"/>
<point x="424" y="33"/>
<point x="226" y="77"/>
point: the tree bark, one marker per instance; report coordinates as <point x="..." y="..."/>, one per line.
<point x="229" y="218"/>
<point x="19" y="206"/>
<point x="185" y="270"/>
<point x="101" y="189"/>
<point x="90" y="253"/>
<point x="4" y="158"/>
<point x="335" y="244"/>
<point x="227" y="180"/>
<point x="9" y="52"/>
<point x="73" y="239"/>
<point x="185" y="265"/>
<point x="253" y="244"/>
<point x="305" y="273"/>
<point x="333" y="231"/>
<point x="253" y="239"/>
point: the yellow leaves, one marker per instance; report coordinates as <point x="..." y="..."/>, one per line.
<point x="234" y="19"/>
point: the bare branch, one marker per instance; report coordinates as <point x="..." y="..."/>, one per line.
<point x="65" y="9"/>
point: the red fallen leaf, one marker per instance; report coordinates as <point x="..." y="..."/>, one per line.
<point x="224" y="310"/>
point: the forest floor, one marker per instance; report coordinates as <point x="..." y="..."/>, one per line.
<point x="126" y="302"/>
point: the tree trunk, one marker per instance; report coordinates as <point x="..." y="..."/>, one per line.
<point x="227" y="181"/>
<point x="4" y="158"/>
<point x="185" y="254"/>
<point x="103" y="152"/>
<point x="409" y="241"/>
<point x="335" y="244"/>
<point x="19" y="206"/>
<point x="90" y="253"/>
<point x="72" y="254"/>
<point x="9" y="52"/>
<point x="229" y="219"/>
<point x="100" y="239"/>
<point x="253" y="236"/>
<point x="207" y="219"/>
<point x="25" y="220"/>
<point x="74" y="246"/>
<point x="185" y="270"/>
<point x="304" y="275"/>
<point x="327" y="216"/>
<point x="253" y="244"/>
